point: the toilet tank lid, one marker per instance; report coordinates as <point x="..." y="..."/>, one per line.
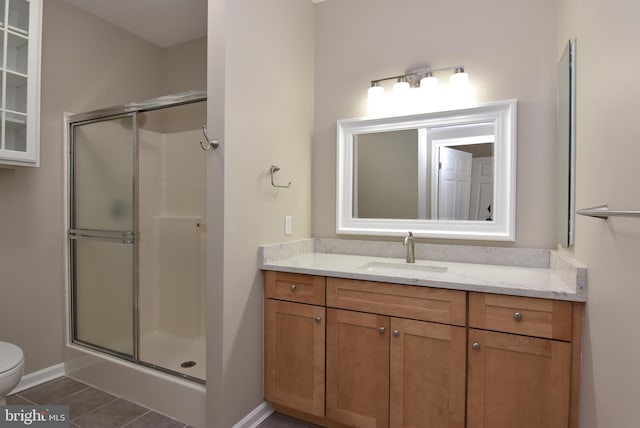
<point x="10" y="356"/>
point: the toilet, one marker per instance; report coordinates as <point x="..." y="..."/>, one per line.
<point x="11" y="369"/>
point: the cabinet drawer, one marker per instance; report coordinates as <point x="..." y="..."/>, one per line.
<point x="294" y="287"/>
<point x="406" y="301"/>
<point x="521" y="315"/>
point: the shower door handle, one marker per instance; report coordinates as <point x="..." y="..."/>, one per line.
<point x="124" y="237"/>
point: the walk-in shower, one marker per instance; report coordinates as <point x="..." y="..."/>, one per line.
<point x="137" y="233"/>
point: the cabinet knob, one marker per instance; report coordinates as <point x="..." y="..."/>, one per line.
<point x="476" y="346"/>
<point x="381" y="330"/>
<point x="396" y="333"/>
<point x="318" y="319"/>
<point x="293" y="287"/>
<point x="517" y="316"/>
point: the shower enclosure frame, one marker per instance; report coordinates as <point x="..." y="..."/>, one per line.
<point x="124" y="237"/>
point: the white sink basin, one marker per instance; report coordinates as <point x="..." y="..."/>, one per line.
<point x="399" y="268"/>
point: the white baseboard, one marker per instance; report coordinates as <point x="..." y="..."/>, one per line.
<point x="257" y="415"/>
<point x="41" y="376"/>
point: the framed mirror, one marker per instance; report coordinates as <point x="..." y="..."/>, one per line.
<point x="448" y="174"/>
<point x="566" y="147"/>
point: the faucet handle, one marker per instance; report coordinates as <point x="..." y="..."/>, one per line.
<point x="408" y="238"/>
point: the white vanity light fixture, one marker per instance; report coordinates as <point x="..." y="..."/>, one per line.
<point x="429" y="84"/>
<point x="458" y="88"/>
<point x="376" y="99"/>
<point x="402" y="96"/>
<point x="418" y="91"/>
<point x="429" y="93"/>
<point x="401" y="87"/>
<point x="459" y="79"/>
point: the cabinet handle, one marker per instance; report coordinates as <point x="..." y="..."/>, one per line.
<point x="293" y="287"/>
<point x="381" y="330"/>
<point x="396" y="333"/>
<point x="476" y="346"/>
<point x="318" y="319"/>
<point x="517" y="316"/>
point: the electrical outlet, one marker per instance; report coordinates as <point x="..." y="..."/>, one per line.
<point x="288" y="225"/>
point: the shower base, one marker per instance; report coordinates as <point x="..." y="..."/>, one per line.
<point x="177" y="398"/>
<point x="179" y="354"/>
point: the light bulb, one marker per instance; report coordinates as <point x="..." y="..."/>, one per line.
<point x="401" y="97"/>
<point x="401" y="87"/>
<point x="375" y="100"/>
<point x="429" y="84"/>
<point x="375" y="92"/>
<point x="459" y="93"/>
<point x="459" y="80"/>
<point x="429" y="93"/>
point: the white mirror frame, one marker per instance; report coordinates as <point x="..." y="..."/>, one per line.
<point x="503" y="114"/>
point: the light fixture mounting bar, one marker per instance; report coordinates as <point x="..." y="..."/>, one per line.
<point x="414" y="73"/>
<point x="400" y="76"/>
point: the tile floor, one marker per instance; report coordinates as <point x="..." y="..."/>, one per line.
<point x="92" y="408"/>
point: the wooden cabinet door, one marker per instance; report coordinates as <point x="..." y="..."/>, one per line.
<point x="427" y="374"/>
<point x="358" y="368"/>
<point x="517" y="381"/>
<point x="294" y="355"/>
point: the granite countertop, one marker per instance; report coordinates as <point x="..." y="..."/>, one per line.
<point x="551" y="282"/>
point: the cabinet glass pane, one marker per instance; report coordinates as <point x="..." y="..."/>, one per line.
<point x="2" y="5"/>
<point x="15" y="137"/>
<point x="16" y="93"/>
<point x="19" y="16"/>
<point x="103" y="179"/>
<point x="17" y="53"/>
<point x="103" y="294"/>
<point x="1" y="49"/>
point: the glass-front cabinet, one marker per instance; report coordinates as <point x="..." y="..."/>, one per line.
<point x="20" y="40"/>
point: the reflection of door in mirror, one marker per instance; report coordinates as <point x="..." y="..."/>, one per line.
<point x="454" y="184"/>
<point x="461" y="176"/>
<point x="481" y="188"/>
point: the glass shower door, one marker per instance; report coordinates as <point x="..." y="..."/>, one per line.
<point x="103" y="234"/>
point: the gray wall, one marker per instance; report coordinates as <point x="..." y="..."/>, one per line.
<point x="607" y="173"/>
<point x="261" y="61"/>
<point x="509" y="49"/>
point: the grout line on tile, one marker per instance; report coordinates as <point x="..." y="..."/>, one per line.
<point x="135" y="419"/>
<point x="72" y="394"/>
<point x="26" y="399"/>
<point x="97" y="408"/>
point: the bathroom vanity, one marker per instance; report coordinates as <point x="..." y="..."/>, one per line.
<point x="366" y="342"/>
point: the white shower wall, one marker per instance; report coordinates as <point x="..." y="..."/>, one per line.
<point x="172" y="171"/>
